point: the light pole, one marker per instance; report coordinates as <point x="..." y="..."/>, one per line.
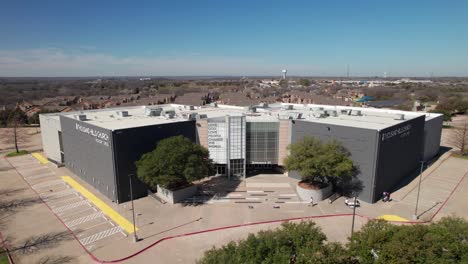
<point x="135" y="237"/>
<point x="415" y="216"/>
<point x="354" y="214"/>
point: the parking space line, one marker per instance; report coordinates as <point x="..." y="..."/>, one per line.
<point x="47" y="184"/>
<point x="38" y="176"/>
<point x="98" y="236"/>
<point x="40" y="158"/>
<point x="55" y="201"/>
<point x="111" y="213"/>
<point x="84" y="219"/>
<point x="59" y="194"/>
<point x="71" y="214"/>
<point x="67" y="207"/>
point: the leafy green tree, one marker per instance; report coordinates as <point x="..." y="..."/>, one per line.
<point x="174" y="163"/>
<point x="320" y="163"/>
<point x="292" y="243"/>
<point x="441" y="242"/>
<point x="447" y="114"/>
<point x="304" y="82"/>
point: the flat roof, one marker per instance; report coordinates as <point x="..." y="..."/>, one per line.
<point x="361" y="117"/>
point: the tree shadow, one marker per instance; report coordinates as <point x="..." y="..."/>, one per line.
<point x="14" y="205"/>
<point x="34" y="244"/>
<point x="351" y="185"/>
<point x="55" y="260"/>
<point x="8" y="192"/>
<point x="210" y="187"/>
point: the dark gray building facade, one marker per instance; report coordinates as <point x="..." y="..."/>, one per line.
<point x="105" y="158"/>
<point x="382" y="158"/>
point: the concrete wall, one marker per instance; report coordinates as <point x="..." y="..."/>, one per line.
<point x="360" y="142"/>
<point x="130" y="144"/>
<point x="284" y="139"/>
<point x="400" y="151"/>
<point x="432" y="134"/>
<point x="178" y="195"/>
<point x="88" y="154"/>
<point x="202" y="132"/>
<point x="50" y="127"/>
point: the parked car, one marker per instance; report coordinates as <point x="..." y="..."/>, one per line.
<point x="352" y="203"/>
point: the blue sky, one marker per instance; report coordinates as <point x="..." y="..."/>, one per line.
<point x="312" y="38"/>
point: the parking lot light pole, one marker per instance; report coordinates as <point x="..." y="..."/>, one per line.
<point x="354" y="214"/>
<point x="415" y="216"/>
<point x="135" y="237"/>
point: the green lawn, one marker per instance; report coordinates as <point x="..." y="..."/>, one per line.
<point x="460" y="156"/>
<point x="4" y="258"/>
<point x="14" y="153"/>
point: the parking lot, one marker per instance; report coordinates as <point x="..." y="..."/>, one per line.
<point x="89" y="224"/>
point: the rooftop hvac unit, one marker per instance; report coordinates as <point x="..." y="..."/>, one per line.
<point x="253" y="109"/>
<point x="263" y="105"/>
<point x="202" y="116"/>
<point x="80" y="117"/>
<point x="191" y="116"/>
<point x="153" y="112"/>
<point x="189" y="107"/>
<point x="356" y="112"/>
<point x="122" y="113"/>
<point x="319" y="115"/>
<point x="333" y="113"/>
<point x="169" y="114"/>
<point x="288" y="107"/>
<point x="399" y="117"/>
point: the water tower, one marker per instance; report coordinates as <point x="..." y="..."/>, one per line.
<point x="284" y="73"/>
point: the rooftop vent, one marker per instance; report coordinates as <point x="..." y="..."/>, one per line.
<point x="122" y="113"/>
<point x="399" y="117"/>
<point x="80" y="117"/>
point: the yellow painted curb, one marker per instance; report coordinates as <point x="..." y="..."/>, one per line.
<point x="393" y="218"/>
<point x="107" y="210"/>
<point x="40" y="158"/>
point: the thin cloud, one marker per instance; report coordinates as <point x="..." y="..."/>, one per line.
<point x="58" y="62"/>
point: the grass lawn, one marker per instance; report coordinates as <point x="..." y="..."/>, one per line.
<point x="4" y="258"/>
<point x="460" y="156"/>
<point x="14" y="153"/>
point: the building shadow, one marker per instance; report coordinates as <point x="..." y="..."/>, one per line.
<point x="417" y="171"/>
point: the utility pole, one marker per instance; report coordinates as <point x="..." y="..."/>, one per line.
<point x="135" y="237"/>
<point x="354" y="215"/>
<point x="415" y="216"/>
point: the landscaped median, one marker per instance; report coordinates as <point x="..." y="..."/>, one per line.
<point x="107" y="210"/>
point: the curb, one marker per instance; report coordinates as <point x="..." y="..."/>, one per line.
<point x="96" y="259"/>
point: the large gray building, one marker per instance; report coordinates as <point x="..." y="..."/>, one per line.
<point x="101" y="146"/>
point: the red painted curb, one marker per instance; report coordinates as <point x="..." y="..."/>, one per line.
<point x="94" y="258"/>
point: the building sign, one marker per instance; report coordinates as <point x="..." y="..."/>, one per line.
<point x="100" y="137"/>
<point x="217" y="141"/>
<point x="401" y="131"/>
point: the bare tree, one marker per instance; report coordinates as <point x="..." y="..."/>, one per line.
<point x="459" y="136"/>
<point x="14" y="135"/>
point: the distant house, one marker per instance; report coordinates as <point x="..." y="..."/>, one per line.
<point x="384" y="103"/>
<point x="196" y="99"/>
